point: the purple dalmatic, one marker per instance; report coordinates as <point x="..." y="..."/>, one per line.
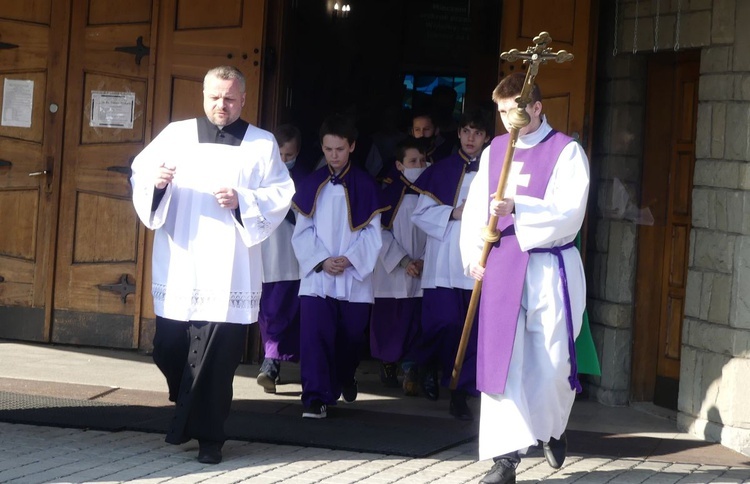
<point x="505" y="273"/>
<point x="363" y="195"/>
<point x="442" y="181"/>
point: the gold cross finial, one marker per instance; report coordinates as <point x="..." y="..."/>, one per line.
<point x="535" y="55"/>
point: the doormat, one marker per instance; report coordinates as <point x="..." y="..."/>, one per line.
<point x="348" y="429"/>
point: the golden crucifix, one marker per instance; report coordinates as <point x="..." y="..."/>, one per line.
<point x="533" y="57"/>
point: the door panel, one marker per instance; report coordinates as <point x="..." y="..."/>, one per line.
<point x="678" y="188"/>
<point x="663" y="248"/>
<point x="99" y="237"/>
<point x="71" y="264"/>
<point x="566" y="88"/>
<point x="33" y="36"/>
<point x="195" y="36"/>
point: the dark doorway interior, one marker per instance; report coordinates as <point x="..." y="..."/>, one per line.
<point x="382" y="58"/>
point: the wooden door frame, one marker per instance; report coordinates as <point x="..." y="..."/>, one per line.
<point x="650" y="299"/>
<point x="141" y="282"/>
<point x="59" y="55"/>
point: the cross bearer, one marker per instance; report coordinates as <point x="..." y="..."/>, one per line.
<point x="534" y="290"/>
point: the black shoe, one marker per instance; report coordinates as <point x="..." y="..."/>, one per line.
<point x="458" y="406"/>
<point x="388" y="375"/>
<point x="501" y="473"/>
<point x="317" y="410"/>
<point x="430" y="386"/>
<point x="555" y="450"/>
<point x="349" y="392"/>
<point x="411" y="382"/>
<point x="209" y="452"/>
<point x="268" y="377"/>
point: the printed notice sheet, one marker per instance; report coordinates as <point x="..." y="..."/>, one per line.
<point x="18" y="97"/>
<point x="112" y="109"/>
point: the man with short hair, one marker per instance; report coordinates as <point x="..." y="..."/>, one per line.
<point x="212" y="189"/>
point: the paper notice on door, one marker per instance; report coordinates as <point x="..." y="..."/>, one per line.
<point x="18" y="99"/>
<point x="112" y="109"/>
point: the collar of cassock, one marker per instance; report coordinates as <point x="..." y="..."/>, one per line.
<point x="470" y="164"/>
<point x="232" y="134"/>
<point x="339" y="179"/>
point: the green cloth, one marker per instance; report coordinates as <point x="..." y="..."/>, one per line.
<point x="586" y="356"/>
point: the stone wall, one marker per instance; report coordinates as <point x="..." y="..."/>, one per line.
<point x="611" y="248"/>
<point x="715" y="359"/>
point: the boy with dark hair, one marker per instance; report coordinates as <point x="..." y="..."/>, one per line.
<point x="534" y="289"/>
<point x="337" y="241"/>
<point x="396" y="314"/>
<point x="278" y="319"/>
<point x="446" y="289"/>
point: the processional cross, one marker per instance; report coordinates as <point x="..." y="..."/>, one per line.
<point x="518" y="118"/>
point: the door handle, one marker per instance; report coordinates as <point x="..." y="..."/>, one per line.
<point x="6" y="163"/>
<point x="47" y="173"/>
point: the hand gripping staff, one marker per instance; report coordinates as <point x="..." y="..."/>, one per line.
<point x="538" y="54"/>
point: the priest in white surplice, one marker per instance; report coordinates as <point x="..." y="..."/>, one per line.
<point x="533" y="292"/>
<point x="212" y="189"/>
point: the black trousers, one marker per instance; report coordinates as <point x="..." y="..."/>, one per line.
<point x="198" y="359"/>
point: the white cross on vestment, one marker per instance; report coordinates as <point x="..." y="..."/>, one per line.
<point x="516" y="179"/>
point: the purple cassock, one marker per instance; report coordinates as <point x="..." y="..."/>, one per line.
<point x="278" y="320"/>
<point x="502" y="287"/>
<point x="395" y="323"/>
<point x="332" y="331"/>
<point x="278" y="317"/>
<point x="394" y="328"/>
<point x="444" y="308"/>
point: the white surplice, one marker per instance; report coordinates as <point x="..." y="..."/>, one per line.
<point x="442" y="266"/>
<point x="279" y="261"/>
<point x="403" y="239"/>
<point x="327" y="234"/>
<point x="538" y="398"/>
<point x="206" y="265"/>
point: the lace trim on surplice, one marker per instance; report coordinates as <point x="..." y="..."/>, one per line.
<point x="199" y="298"/>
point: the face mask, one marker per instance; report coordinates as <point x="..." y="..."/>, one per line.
<point x="290" y="164"/>
<point x="412" y="174"/>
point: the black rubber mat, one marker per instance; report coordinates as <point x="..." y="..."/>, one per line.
<point x="345" y="428"/>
